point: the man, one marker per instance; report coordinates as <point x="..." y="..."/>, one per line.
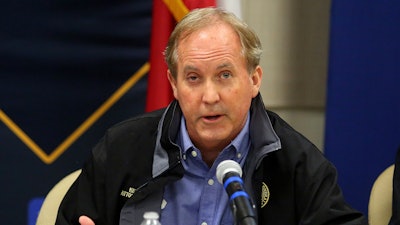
<point x="165" y="161"/>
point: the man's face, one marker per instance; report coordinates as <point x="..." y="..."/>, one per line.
<point x="213" y="86"/>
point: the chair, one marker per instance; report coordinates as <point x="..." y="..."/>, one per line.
<point x="48" y="211"/>
<point x="380" y="201"/>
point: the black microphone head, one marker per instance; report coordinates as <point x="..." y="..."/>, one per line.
<point x="225" y="167"/>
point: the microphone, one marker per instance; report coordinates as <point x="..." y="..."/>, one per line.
<point x="229" y="174"/>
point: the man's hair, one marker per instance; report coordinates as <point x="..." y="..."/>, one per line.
<point x="203" y="17"/>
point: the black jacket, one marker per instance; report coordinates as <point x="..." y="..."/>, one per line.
<point x="395" y="219"/>
<point x="288" y="177"/>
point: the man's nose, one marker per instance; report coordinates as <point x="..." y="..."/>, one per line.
<point x="210" y="93"/>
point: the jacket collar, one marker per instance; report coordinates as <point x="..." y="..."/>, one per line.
<point x="166" y="150"/>
<point x="263" y="136"/>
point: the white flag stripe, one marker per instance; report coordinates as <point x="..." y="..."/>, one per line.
<point x="232" y="6"/>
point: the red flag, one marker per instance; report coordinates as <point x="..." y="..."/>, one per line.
<point x="164" y="17"/>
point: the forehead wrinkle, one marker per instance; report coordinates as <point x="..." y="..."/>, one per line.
<point x="195" y="54"/>
<point x="225" y="61"/>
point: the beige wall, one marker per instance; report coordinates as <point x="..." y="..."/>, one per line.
<point x="294" y="35"/>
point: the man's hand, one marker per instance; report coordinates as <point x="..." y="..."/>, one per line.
<point x="84" y="220"/>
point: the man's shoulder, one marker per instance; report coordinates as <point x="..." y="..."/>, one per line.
<point x="288" y="135"/>
<point x="279" y="124"/>
<point x="138" y="123"/>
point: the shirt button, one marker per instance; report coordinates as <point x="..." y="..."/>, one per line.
<point x="203" y="223"/>
<point x="239" y="155"/>
<point x="210" y="181"/>
<point x="194" y="153"/>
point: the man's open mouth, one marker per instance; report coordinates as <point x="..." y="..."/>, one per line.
<point x="212" y="117"/>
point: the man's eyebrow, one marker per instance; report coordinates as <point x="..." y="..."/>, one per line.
<point x="224" y="66"/>
<point x="190" y="68"/>
<point x="219" y="67"/>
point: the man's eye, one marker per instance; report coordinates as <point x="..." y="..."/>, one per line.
<point x="226" y="75"/>
<point x="192" y="78"/>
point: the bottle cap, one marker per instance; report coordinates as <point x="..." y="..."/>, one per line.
<point x="150" y="215"/>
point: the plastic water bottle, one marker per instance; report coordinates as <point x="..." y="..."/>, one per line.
<point x="150" y="218"/>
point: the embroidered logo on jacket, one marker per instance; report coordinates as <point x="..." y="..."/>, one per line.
<point x="264" y="195"/>
<point x="128" y="193"/>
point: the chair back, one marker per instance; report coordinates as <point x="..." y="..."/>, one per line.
<point x="380" y="201"/>
<point x="48" y="211"/>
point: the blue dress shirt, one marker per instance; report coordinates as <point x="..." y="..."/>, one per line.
<point x="198" y="198"/>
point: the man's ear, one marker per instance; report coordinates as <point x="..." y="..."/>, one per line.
<point x="256" y="77"/>
<point x="172" y="82"/>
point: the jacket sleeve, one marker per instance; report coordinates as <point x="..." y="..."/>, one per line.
<point x="86" y="195"/>
<point x="304" y="188"/>
<point x="322" y="201"/>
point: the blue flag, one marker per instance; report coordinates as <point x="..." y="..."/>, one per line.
<point x="363" y="103"/>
